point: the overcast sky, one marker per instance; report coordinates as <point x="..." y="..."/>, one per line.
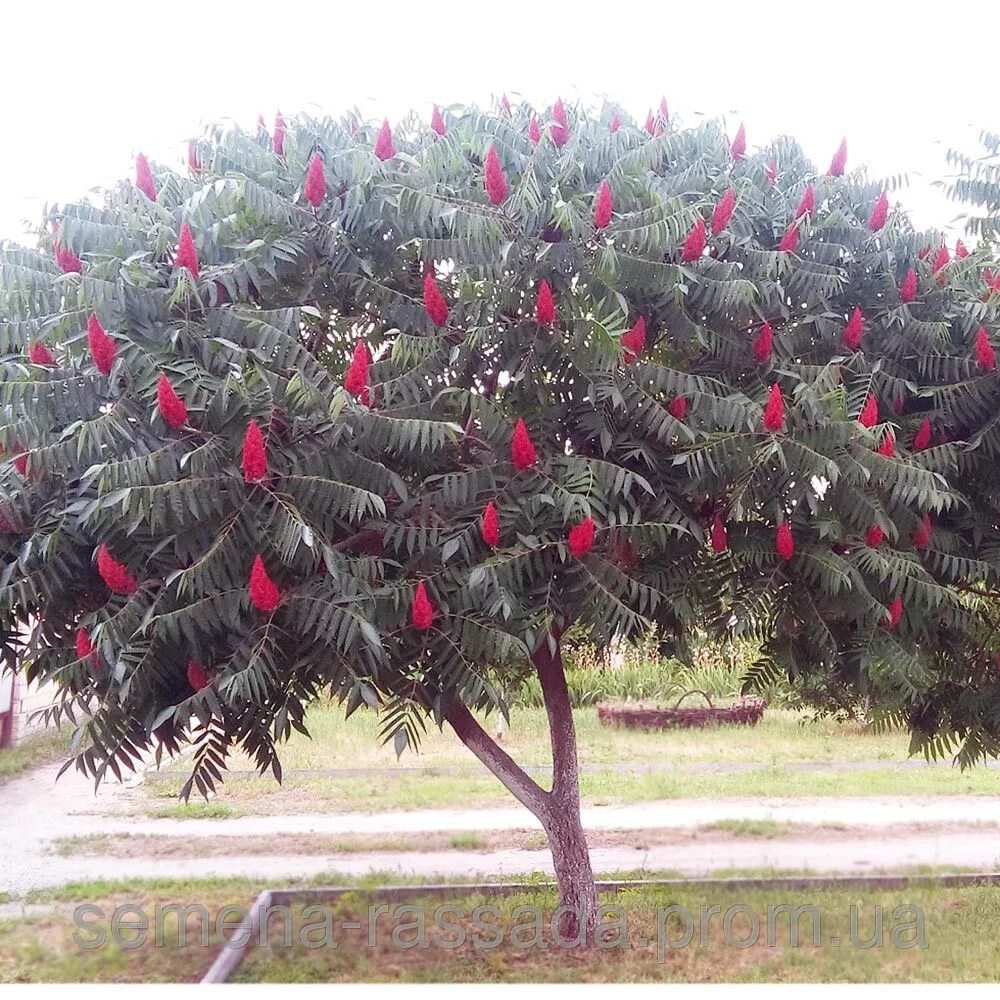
<point x="87" y="85"/>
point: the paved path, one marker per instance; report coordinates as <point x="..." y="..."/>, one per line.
<point x="36" y="811"/>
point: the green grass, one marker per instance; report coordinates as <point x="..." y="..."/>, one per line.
<point x="195" y="810"/>
<point x="759" y="829"/>
<point x="43" y="748"/>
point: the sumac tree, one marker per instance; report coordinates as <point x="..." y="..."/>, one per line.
<point x="382" y="411"/>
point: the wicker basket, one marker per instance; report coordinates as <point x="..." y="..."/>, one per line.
<point x="746" y="712"/>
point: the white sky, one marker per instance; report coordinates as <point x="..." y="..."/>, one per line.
<point x="88" y="84"/>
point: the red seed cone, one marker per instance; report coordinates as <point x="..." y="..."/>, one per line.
<point x="869" y="412"/>
<point x="384" y="148"/>
<point x="922" y="536"/>
<point x="616" y="124"/>
<point x="880" y="213"/>
<point x="581" y="537"/>
<point x="534" y="130"/>
<point x="545" y="307"/>
<point x="922" y="438"/>
<point x="664" y="111"/>
<point x="84" y="646"/>
<point x="422" y="610"/>
<point x="254" y="454"/>
<point x="634" y="340"/>
<point x="874" y="536"/>
<point x="434" y="301"/>
<point x="493" y="178"/>
<point x="908" y="290"/>
<point x="771" y="170"/>
<point x="649" y="125"/>
<point x="278" y="144"/>
<point x="560" y="129"/>
<point x="895" y="613"/>
<point x="854" y="330"/>
<point x="505" y="105"/>
<point x="194" y="161"/>
<point x="764" y="344"/>
<point x="114" y="574"/>
<point x="985" y="354"/>
<point x="774" y="411"/>
<point x="723" y="211"/>
<point x="39" y="354"/>
<point x="678" y="407"/>
<point x="144" y="177"/>
<point x="887" y="449"/>
<point x="187" y="255"/>
<point x="807" y="205"/>
<point x="20" y="461"/>
<point x="694" y="243"/>
<point x="102" y="347"/>
<point x="790" y="240"/>
<point x="197" y="675"/>
<point x="315" y="186"/>
<point x="437" y="122"/>
<point x="961" y="251"/>
<point x="603" y="206"/>
<point x="66" y="260"/>
<point x="923" y="253"/>
<point x="522" y="451"/>
<point x="490" y="526"/>
<point x="941" y="260"/>
<point x="264" y="593"/>
<point x="356" y="377"/>
<point x="739" y="144"/>
<point x="172" y="407"/>
<point x="720" y="537"/>
<point x="839" y="160"/>
<point x="784" y="543"/>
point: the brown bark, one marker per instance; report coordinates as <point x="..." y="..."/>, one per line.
<point x="557" y="810"/>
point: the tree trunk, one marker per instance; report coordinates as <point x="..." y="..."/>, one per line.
<point x="557" y="810"/>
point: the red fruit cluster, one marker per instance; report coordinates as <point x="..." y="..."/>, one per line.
<point x="66" y="260"/>
<point x="922" y="438"/>
<point x="720" y="537"/>
<point x="315" y="186"/>
<point x="874" y="536"/>
<point x="678" y="407"/>
<point x="739" y="144"/>
<point x="522" y="451"/>
<point x="869" y="412"/>
<point x="887" y="449"/>
<point x="559" y="130"/>
<point x="941" y="260"/>
<point x="493" y="178"/>
<point x="922" y="536"/>
<point x="634" y="340"/>
<point x="985" y="354"/>
<point x="694" y="243"/>
<point x="534" y="130"/>
<point x="854" y="330"/>
<point x="908" y="290"/>
<point x="356" y="377"/>
<point x="581" y="537"/>
<point x="879" y="214"/>
<point x="774" y="410"/>
<point x="505" y="105"/>
<point x="723" y="211"/>
<point x="279" y="135"/>
<point x="895" y="613"/>
<point x="490" y="526"/>
<point x="115" y="574"/>
<point x="603" y="206"/>
<point x="839" y="160"/>
<point x="84" y="646"/>
<point x="422" y="610"/>
<point x="437" y="122"/>
<point x="616" y="124"/>
<point x="384" y="148"/>
<point x="961" y="251"/>
<point x="434" y="301"/>
<point x="194" y="161"/>
<point x="807" y="205"/>
<point x="172" y="407"/>
<point x="102" y="347"/>
<point x="254" y="454"/>
<point x="186" y="255"/>
<point x="764" y="344"/>
<point x="784" y="544"/>
<point x="790" y="240"/>
<point x="264" y="593"/>
<point x="144" y="177"/>
<point x="545" y="307"/>
<point x="39" y="354"/>
<point x="197" y="675"/>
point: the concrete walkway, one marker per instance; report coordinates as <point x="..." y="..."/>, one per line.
<point x="35" y="811"/>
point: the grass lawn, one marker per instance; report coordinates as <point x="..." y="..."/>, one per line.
<point x="419" y="780"/>
<point x="45" y="748"/>
<point x="957" y="931"/>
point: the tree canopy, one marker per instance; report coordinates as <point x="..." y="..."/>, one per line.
<point x="380" y="411"/>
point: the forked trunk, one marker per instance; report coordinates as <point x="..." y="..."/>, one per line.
<point x="557" y="810"/>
